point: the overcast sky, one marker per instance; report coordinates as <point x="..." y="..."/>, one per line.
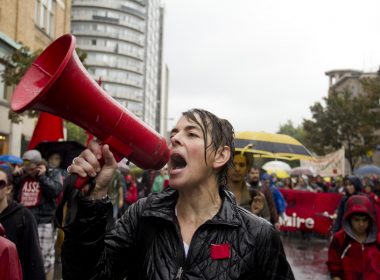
<point x="260" y="63"/>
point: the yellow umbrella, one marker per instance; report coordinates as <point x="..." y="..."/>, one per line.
<point x="271" y="145"/>
<point x="282" y="174"/>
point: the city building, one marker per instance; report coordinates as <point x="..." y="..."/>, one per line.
<point x="123" y="40"/>
<point x="34" y="24"/>
<point x="124" y="43"/>
<point x="348" y="79"/>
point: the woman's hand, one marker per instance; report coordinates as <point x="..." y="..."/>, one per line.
<point x="96" y="161"/>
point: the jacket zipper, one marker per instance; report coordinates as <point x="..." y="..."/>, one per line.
<point x="181" y="255"/>
<point x="179" y="274"/>
<point x="184" y="261"/>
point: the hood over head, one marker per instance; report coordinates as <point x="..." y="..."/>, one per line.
<point x="356" y="182"/>
<point x="360" y="204"/>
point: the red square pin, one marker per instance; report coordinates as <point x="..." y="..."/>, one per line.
<point x="220" y="251"/>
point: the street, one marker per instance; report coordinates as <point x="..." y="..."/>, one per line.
<point x="307" y="256"/>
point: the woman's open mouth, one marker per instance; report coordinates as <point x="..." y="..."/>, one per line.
<point x="177" y="162"/>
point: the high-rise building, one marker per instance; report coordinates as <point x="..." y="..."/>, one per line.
<point x="123" y="41"/>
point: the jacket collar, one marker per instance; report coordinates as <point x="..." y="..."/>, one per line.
<point x="162" y="205"/>
<point x="11" y="208"/>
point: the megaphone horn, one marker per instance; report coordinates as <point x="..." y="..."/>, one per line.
<point x="58" y="83"/>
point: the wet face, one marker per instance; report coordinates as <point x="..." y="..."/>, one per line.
<point x="359" y="224"/>
<point x="239" y="170"/>
<point x="187" y="165"/>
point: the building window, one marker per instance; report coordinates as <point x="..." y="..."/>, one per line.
<point x="44" y="15"/>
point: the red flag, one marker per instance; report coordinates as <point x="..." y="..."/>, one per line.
<point x="48" y="128"/>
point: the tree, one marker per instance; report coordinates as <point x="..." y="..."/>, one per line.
<point x="75" y="133"/>
<point x="345" y="120"/>
<point x="295" y="132"/>
<point x="372" y="88"/>
<point x="16" y="64"/>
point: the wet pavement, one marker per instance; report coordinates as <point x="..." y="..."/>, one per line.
<point x="307" y="256"/>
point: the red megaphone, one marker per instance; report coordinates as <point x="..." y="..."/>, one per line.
<point x="58" y="83"/>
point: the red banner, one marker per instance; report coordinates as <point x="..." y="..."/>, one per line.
<point x="309" y="211"/>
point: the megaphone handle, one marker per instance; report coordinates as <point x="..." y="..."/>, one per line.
<point x="81" y="182"/>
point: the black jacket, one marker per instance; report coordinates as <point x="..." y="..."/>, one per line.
<point x="21" y="228"/>
<point x="146" y="244"/>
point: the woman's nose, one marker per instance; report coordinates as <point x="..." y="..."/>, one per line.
<point x="175" y="140"/>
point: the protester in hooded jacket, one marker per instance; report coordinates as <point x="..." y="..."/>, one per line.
<point x="353" y="186"/>
<point x="10" y="268"/>
<point x="354" y="252"/>
<point x="191" y="230"/>
<point x="21" y="229"/>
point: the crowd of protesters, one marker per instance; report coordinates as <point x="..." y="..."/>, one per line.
<point x="33" y="189"/>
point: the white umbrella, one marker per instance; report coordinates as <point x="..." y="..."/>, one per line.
<point x="275" y="165"/>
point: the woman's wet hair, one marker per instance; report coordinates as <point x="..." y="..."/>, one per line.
<point x="221" y="134"/>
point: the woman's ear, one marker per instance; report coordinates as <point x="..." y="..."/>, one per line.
<point x="222" y="156"/>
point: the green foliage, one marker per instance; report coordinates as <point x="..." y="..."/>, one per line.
<point x="345" y="120"/>
<point x="295" y="132"/>
<point x="16" y="65"/>
<point x="75" y="133"/>
<point x="82" y="56"/>
<point x="372" y="87"/>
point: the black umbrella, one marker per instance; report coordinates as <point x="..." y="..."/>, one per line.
<point x="67" y="149"/>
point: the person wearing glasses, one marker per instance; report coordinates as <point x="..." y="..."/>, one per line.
<point x="20" y="228"/>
